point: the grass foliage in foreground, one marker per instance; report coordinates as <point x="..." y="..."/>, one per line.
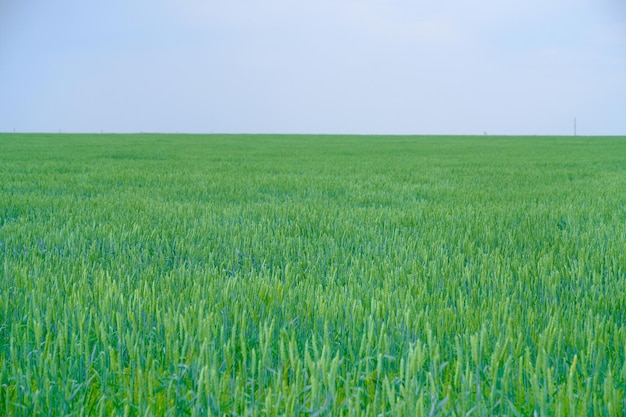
<point x="302" y="275"/>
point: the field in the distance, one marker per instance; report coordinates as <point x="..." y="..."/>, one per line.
<point x="312" y="275"/>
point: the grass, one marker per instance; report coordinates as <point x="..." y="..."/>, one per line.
<point x="312" y="275"/>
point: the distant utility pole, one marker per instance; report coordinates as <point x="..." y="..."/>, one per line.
<point x="574" y="126"/>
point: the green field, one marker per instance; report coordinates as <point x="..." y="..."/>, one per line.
<point x="312" y="275"/>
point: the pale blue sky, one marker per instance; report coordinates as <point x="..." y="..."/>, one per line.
<point x="314" y="66"/>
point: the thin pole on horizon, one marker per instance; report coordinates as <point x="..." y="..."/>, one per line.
<point x="574" y="126"/>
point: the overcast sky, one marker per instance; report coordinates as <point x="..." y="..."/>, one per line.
<point x="314" y="66"/>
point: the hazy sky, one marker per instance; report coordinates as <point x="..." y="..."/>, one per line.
<point x="314" y="66"/>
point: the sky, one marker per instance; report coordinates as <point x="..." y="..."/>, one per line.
<point x="505" y="67"/>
